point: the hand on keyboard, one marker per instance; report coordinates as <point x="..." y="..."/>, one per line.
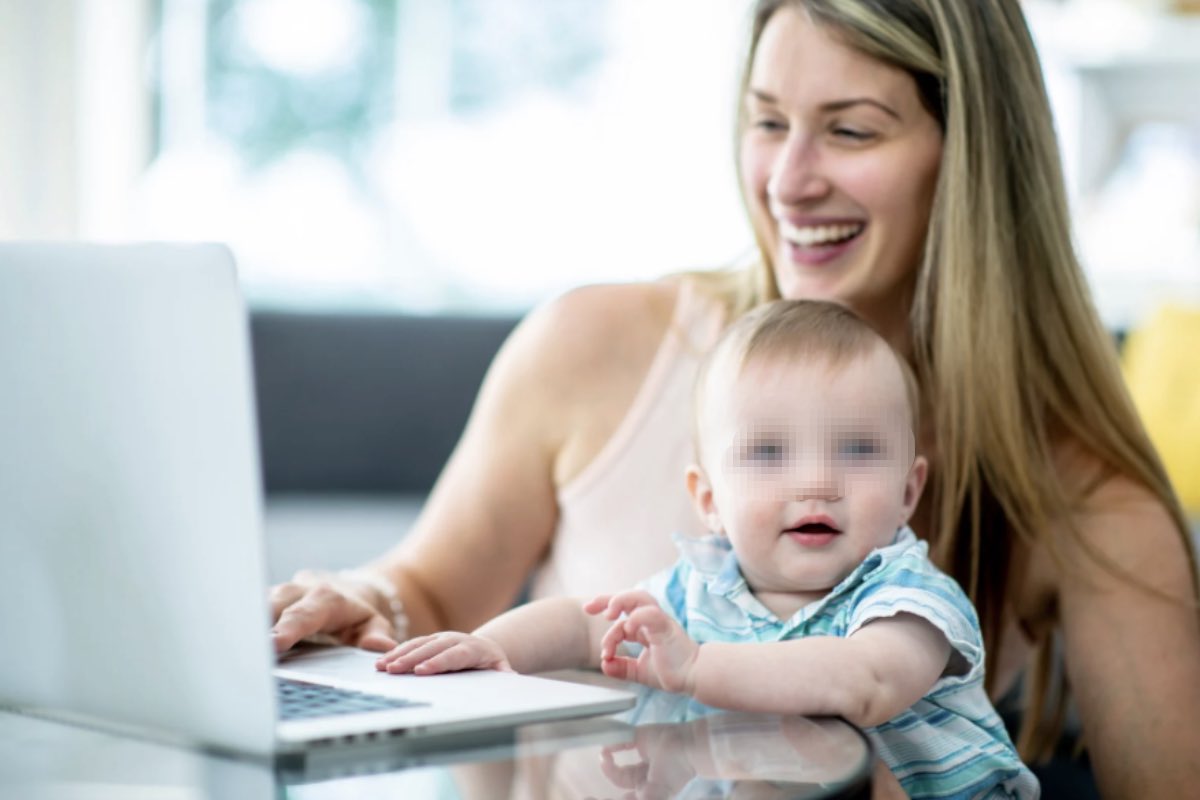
<point x="444" y="652"/>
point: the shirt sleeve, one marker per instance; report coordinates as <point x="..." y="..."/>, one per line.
<point x="911" y="584"/>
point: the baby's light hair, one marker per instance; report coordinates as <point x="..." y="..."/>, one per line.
<point x="811" y="330"/>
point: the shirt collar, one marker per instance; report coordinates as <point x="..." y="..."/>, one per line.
<point x="712" y="558"/>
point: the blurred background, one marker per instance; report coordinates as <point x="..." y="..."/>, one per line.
<point x="450" y="160"/>
<point x="427" y="154"/>
<point x="475" y="154"/>
<point x="401" y="180"/>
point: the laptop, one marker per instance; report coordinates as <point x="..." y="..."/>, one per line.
<point x="132" y="567"/>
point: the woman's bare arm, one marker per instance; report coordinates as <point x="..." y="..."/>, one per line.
<point x="1133" y="659"/>
<point x="555" y="393"/>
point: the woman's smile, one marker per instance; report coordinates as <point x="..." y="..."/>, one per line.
<point x="816" y="243"/>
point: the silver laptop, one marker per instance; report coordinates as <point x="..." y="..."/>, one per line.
<point x="132" y="569"/>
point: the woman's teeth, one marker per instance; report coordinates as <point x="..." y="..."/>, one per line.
<point x="810" y="235"/>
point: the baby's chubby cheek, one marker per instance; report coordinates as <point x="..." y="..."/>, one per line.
<point x="761" y="511"/>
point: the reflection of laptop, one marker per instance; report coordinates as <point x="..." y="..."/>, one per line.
<point x="132" y="574"/>
<point x="542" y="739"/>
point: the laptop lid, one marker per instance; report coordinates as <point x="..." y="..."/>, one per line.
<point x="132" y="570"/>
<point x="129" y="488"/>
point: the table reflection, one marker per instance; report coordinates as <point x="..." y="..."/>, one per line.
<point x="666" y="746"/>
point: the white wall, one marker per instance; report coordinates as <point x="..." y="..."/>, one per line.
<point x="74" y="115"/>
<point x="38" y="131"/>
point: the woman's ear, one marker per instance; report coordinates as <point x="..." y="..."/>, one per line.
<point x="914" y="484"/>
<point x="700" y="488"/>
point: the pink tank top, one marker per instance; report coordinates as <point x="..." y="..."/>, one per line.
<point x="617" y="516"/>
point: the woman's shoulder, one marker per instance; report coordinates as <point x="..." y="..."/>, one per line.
<point x="599" y="306"/>
<point x="1115" y="528"/>
<point x="1125" y="599"/>
<point x="581" y="358"/>
<point x="601" y="325"/>
<point x="1095" y="487"/>
<point x="1115" y="520"/>
<point x="661" y="290"/>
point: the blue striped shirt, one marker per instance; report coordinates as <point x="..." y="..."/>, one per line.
<point x="951" y="743"/>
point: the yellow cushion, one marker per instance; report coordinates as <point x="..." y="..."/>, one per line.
<point x="1161" y="361"/>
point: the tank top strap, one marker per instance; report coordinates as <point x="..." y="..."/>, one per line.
<point x="696" y="322"/>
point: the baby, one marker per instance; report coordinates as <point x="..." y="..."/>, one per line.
<point x="812" y="596"/>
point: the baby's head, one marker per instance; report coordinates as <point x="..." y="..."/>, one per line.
<point x="805" y="425"/>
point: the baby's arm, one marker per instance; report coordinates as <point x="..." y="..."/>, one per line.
<point x="553" y="633"/>
<point x="868" y="677"/>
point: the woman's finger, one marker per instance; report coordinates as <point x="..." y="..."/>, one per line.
<point x="282" y="596"/>
<point x="376" y="634"/>
<point x="308" y="615"/>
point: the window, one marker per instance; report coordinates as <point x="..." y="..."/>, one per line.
<point x="433" y="154"/>
<point x="447" y="153"/>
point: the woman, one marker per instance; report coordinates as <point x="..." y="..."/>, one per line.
<point x="899" y="159"/>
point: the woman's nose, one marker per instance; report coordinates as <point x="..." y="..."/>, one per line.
<point x="798" y="176"/>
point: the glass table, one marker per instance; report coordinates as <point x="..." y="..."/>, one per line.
<point x="666" y="746"/>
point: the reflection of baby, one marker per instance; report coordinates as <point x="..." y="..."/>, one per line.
<point x="730" y="746"/>
<point x="710" y="756"/>
<point x="813" y="596"/>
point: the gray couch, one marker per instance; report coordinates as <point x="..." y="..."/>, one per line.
<point x="358" y="413"/>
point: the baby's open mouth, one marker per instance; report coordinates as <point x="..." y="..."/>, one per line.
<point x="813" y="527"/>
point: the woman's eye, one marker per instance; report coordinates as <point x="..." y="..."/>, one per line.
<point x="769" y="124"/>
<point x="853" y="134"/>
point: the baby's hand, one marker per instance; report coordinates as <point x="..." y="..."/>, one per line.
<point x="444" y="652"/>
<point x="669" y="654"/>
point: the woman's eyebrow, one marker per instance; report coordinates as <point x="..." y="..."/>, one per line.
<point x="841" y="105"/>
<point x="763" y="97"/>
<point x="833" y="105"/>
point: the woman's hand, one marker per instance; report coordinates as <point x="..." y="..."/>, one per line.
<point x="444" y="652"/>
<point x="338" y="606"/>
<point x="669" y="655"/>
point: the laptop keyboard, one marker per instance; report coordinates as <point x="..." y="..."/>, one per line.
<point x="300" y="700"/>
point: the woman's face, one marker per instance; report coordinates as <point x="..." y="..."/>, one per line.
<point x="839" y="162"/>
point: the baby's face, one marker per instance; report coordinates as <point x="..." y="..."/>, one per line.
<point x="809" y="467"/>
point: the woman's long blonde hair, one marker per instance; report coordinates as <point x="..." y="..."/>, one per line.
<point x="1008" y="347"/>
